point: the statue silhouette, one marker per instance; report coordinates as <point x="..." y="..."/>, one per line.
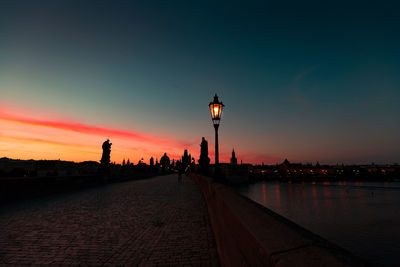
<point x="105" y="158"/>
<point x="204" y="160"/>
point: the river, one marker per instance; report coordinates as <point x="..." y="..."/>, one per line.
<point x="362" y="217"/>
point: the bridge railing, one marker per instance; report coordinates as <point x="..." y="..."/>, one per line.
<point x="248" y="234"/>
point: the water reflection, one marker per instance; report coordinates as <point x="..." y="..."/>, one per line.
<point x="361" y="217"/>
<point x="278" y="195"/>
<point x="264" y="193"/>
<point x="328" y="198"/>
<point x="314" y="197"/>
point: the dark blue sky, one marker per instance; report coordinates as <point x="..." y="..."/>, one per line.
<point x="304" y="80"/>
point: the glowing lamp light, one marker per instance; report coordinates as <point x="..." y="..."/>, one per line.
<point x="216" y="110"/>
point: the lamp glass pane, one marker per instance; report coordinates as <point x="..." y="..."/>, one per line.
<point x="219" y="111"/>
<point x="216" y="111"/>
<point x="212" y="111"/>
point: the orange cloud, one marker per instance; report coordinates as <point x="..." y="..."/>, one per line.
<point x="89" y="129"/>
<point x="29" y="136"/>
<point x="43" y="141"/>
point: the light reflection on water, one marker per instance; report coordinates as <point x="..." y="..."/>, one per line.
<point x="363" y="217"/>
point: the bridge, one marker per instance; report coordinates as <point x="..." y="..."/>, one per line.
<point x="156" y="221"/>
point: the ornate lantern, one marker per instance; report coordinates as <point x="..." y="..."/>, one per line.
<point x="216" y="110"/>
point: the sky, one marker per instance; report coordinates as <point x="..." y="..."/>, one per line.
<point x="304" y="80"/>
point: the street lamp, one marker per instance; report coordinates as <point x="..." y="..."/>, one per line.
<point x="216" y="114"/>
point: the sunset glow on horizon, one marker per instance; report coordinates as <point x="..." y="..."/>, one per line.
<point x="73" y="74"/>
<point x="25" y="137"/>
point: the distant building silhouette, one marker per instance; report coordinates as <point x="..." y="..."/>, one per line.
<point x="165" y="162"/>
<point x="286" y="164"/>
<point x="140" y="162"/>
<point x="186" y="159"/>
<point x="233" y="159"/>
<point x="105" y="158"/>
<point x="204" y="160"/>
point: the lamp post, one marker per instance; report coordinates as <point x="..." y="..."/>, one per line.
<point x="216" y="114"/>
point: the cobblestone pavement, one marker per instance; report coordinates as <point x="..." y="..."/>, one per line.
<point x="152" y="222"/>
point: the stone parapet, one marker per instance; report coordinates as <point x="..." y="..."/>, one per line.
<point x="248" y="234"/>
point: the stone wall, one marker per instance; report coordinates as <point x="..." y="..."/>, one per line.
<point x="248" y="234"/>
<point x="17" y="188"/>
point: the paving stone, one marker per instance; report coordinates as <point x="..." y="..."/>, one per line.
<point x="152" y="222"/>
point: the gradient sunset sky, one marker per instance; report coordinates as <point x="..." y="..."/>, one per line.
<point x="304" y="80"/>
